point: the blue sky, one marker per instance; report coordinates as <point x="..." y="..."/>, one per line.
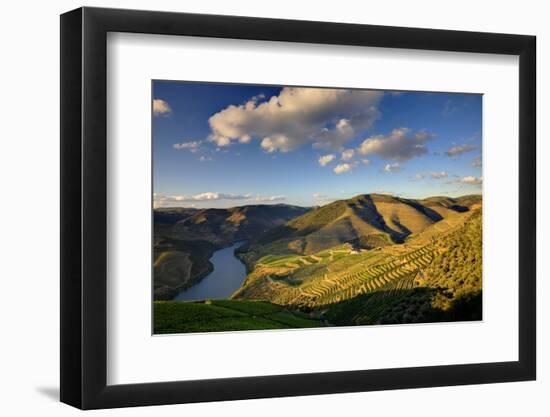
<point x="223" y="145"/>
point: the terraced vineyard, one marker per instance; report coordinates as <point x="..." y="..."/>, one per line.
<point x="367" y="272"/>
<point x="367" y="283"/>
<point x="446" y="289"/>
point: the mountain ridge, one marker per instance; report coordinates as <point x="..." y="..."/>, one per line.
<point x="365" y="220"/>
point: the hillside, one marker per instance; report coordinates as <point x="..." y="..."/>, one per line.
<point x="431" y="279"/>
<point x="185" y="239"/>
<point x="364" y="221"/>
<point x="447" y="288"/>
<point x="223" y="226"/>
<point x="225" y="315"/>
<point x="370" y="259"/>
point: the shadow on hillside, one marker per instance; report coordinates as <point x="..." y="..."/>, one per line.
<point x="417" y="305"/>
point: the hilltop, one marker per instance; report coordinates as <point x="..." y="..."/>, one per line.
<point x="366" y="221"/>
<point x="434" y="278"/>
<point x="224" y="226"/>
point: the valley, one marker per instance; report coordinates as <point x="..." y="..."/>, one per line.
<point x="370" y="259"/>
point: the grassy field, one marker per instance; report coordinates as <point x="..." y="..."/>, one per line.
<point x="225" y="315"/>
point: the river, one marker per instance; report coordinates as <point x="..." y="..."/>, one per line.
<point x="226" y="277"/>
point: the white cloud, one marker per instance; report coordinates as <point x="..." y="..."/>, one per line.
<point x="458" y="150"/>
<point x="347" y="154"/>
<point x="192" y="146"/>
<point x="392" y="167"/>
<point x="341" y="168"/>
<point x="365" y="162"/>
<point x="471" y="180"/>
<point x="321" y="198"/>
<point x="400" y="145"/>
<point x="266" y="199"/>
<point x="325" y="117"/>
<point x="326" y="159"/>
<point x="161" y="107"/>
<point x="162" y="200"/>
<point x="205" y="159"/>
<point x="439" y="175"/>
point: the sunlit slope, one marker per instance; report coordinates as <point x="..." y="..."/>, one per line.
<point x="365" y="221"/>
<point x="447" y="289"/>
<point x="328" y="278"/>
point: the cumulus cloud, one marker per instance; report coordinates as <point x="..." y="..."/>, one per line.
<point x="471" y="180"/>
<point x="192" y="146"/>
<point x="163" y="200"/>
<point x="205" y="158"/>
<point x="341" y="168"/>
<point x="161" y="107"/>
<point x="439" y="175"/>
<point x="458" y="150"/>
<point x="365" y="161"/>
<point x="392" y="167"/>
<point x="326" y="159"/>
<point x="326" y="118"/>
<point x="348" y="154"/>
<point x="400" y="145"/>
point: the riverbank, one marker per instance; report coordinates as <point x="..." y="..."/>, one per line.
<point x="226" y="276"/>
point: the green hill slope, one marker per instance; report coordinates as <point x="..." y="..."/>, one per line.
<point x="225" y="315"/>
<point x="185" y="239"/>
<point x="448" y="288"/>
<point x="365" y="221"/>
<point x="371" y="259"/>
<point x="425" y="277"/>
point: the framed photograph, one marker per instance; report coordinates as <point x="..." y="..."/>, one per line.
<point x="257" y="208"/>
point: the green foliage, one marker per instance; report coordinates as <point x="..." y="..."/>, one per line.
<point x="179" y="265"/>
<point x="448" y="288"/>
<point x="458" y="263"/>
<point x="426" y="279"/>
<point x="224" y="315"/>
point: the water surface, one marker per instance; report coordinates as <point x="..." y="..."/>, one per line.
<point x="226" y="278"/>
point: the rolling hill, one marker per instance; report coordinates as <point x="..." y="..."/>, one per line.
<point x="223" y="226"/>
<point x="431" y="279"/>
<point x="185" y="239"/>
<point x="370" y="259"/>
<point x="364" y="221"/>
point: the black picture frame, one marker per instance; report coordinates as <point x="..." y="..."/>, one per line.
<point x="84" y="207"/>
